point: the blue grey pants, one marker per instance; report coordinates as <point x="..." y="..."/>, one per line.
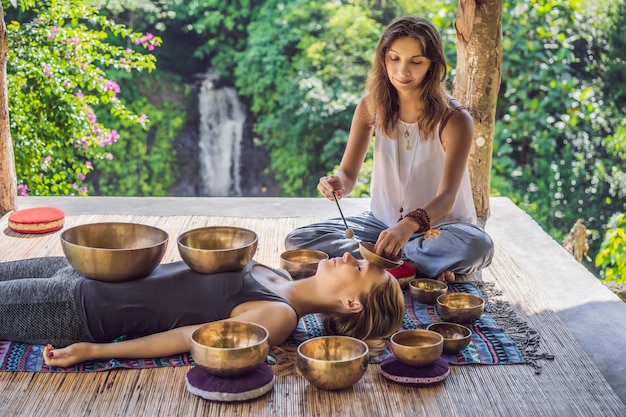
<point x="461" y="248"/>
<point x="37" y="302"/>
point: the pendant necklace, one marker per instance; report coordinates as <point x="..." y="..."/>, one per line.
<point x="407" y="137"/>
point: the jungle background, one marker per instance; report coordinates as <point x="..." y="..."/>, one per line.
<point x="285" y="76"/>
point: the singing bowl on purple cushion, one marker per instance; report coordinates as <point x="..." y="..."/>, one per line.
<point x="214" y="249"/>
<point x="114" y="251"/>
<point x="417" y="347"/>
<point x="230" y="348"/>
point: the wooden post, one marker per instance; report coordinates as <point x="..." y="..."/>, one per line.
<point x="8" y="186"/>
<point x="477" y="84"/>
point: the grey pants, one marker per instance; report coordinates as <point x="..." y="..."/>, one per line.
<point x="37" y="302"/>
<point x="461" y="248"/>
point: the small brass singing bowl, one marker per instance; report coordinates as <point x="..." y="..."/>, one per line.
<point x="460" y="307"/>
<point x="367" y="252"/>
<point x="332" y="362"/>
<point x="417" y="347"/>
<point x="230" y="348"/>
<point x="114" y="251"/>
<point x="301" y="263"/>
<point x="213" y="249"/>
<point x="456" y="337"/>
<point x="426" y="290"/>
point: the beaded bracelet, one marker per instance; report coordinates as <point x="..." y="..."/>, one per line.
<point x="423" y="219"/>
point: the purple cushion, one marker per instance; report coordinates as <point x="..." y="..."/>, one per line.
<point x="394" y="370"/>
<point x="214" y="388"/>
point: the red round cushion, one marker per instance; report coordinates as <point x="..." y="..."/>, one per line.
<point x="37" y="220"/>
<point x="214" y="388"/>
<point x="394" y="370"/>
<point x="404" y="273"/>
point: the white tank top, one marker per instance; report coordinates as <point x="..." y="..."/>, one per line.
<point x="416" y="181"/>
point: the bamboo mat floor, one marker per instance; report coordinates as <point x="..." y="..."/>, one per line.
<point x="569" y="385"/>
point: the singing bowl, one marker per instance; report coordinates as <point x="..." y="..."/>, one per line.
<point x="230" y="348"/>
<point x="460" y="307"/>
<point x="456" y="337"/>
<point x="301" y="263"/>
<point x="214" y="249"/>
<point x="114" y="251"/>
<point x="417" y="347"/>
<point x="332" y="362"/>
<point x="426" y="290"/>
<point x="367" y="252"/>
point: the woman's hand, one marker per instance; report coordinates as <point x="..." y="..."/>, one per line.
<point x="329" y="184"/>
<point x="391" y="241"/>
<point x="67" y="356"/>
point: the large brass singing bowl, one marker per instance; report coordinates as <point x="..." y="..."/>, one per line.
<point x="367" y="252"/>
<point x="332" y="362"/>
<point x="213" y="249"/>
<point x="230" y="348"/>
<point x="455" y="336"/>
<point x="460" y="307"/>
<point x="417" y="347"/>
<point x="114" y="251"/>
<point x="426" y="290"/>
<point x="301" y="263"/>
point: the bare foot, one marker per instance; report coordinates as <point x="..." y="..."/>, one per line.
<point x="446" y="276"/>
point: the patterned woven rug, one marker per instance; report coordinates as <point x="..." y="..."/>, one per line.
<point x="498" y="339"/>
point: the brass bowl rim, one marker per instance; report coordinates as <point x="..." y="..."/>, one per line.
<point x="441" y="285"/>
<point x="198" y="229"/>
<point x="451" y="324"/>
<point x="376" y="259"/>
<point x="418" y="331"/>
<point x="316" y="260"/>
<point x="247" y="323"/>
<point x="459" y="294"/>
<point x="64" y="240"/>
<point x="352" y="339"/>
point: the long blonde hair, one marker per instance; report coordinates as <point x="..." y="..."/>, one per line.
<point x="381" y="316"/>
<point x="382" y="97"/>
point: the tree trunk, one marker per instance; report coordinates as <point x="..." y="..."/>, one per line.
<point x="477" y="84"/>
<point x="8" y="187"/>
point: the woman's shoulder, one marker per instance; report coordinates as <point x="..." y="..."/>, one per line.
<point x="456" y="114"/>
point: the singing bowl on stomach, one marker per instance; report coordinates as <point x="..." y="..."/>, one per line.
<point x="114" y="251"/>
<point x="460" y="307"/>
<point x="417" y="347"/>
<point x="301" y="263"/>
<point x="230" y="348"/>
<point x="332" y="362"/>
<point x="214" y="249"/>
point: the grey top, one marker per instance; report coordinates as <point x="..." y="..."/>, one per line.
<point x="172" y="296"/>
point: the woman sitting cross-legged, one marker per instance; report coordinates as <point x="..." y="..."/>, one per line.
<point x="45" y="301"/>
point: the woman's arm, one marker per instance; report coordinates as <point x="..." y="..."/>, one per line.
<point x="153" y="346"/>
<point x="361" y="131"/>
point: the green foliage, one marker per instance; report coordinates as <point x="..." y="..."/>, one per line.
<point x="611" y="258"/>
<point x="145" y="161"/>
<point x="57" y="84"/>
<point x="550" y="154"/>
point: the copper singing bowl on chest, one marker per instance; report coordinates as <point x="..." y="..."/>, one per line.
<point x="332" y="362"/>
<point x="214" y="249"/>
<point x="230" y="348"/>
<point x="114" y="251"/>
<point x="460" y="307"/>
<point x="301" y="263"/>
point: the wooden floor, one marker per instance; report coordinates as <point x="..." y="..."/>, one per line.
<point x="570" y="385"/>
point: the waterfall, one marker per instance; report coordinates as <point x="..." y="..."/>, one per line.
<point x="222" y="119"/>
